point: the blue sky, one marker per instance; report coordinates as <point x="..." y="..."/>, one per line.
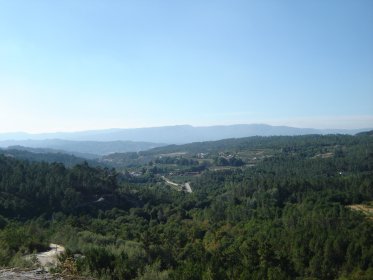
<point x="76" y="65"/>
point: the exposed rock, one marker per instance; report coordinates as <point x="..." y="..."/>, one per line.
<point x="35" y="274"/>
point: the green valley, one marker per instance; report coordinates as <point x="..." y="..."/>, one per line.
<point x="260" y="208"/>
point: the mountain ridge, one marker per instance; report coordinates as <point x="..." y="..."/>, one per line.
<point x="86" y="149"/>
<point x="177" y="134"/>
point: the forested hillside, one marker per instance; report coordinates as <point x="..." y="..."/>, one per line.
<point x="45" y="155"/>
<point x="284" y="213"/>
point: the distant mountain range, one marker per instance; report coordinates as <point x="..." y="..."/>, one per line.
<point x="179" y="134"/>
<point x="84" y="149"/>
<point x="96" y="143"/>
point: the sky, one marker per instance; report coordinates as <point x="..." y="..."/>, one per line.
<point x="87" y="64"/>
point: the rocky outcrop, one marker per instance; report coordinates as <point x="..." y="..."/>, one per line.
<point x="35" y="274"/>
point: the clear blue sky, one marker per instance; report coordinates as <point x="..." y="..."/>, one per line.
<point x="75" y="65"/>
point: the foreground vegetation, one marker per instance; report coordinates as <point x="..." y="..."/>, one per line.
<point x="280" y="210"/>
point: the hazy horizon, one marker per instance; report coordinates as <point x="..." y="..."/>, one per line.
<point x="90" y="65"/>
<point x="321" y="124"/>
<point x="182" y="125"/>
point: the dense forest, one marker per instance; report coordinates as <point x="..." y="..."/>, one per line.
<point x="284" y="215"/>
<point x="44" y="155"/>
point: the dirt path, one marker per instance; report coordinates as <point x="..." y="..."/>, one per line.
<point x="365" y="209"/>
<point x="49" y="258"/>
<point x="188" y="188"/>
<point x="180" y="187"/>
<point x="169" y="182"/>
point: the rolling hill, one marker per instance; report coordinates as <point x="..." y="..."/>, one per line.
<point x="85" y="149"/>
